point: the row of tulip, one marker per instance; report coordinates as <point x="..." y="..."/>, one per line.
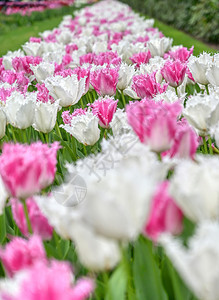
<point x="110" y="140"/>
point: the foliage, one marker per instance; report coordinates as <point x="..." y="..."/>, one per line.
<point x="199" y="18"/>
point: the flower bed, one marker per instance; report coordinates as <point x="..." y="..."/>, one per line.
<point x="109" y="150"/>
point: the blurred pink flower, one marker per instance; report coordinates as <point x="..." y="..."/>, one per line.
<point x="140" y="58"/>
<point x="8" y="76"/>
<point x="23" y="63"/>
<point x="67" y="117"/>
<point x="181" y="54"/>
<point x="107" y="58"/>
<point x="147" y="86"/>
<point x="53" y="281"/>
<point x="39" y="222"/>
<point x="165" y="215"/>
<point x="185" y="142"/>
<point x="104" y="109"/>
<point x="70" y="48"/>
<point x="35" y="40"/>
<point x="104" y="81"/>
<point x="87" y="58"/>
<point x="21" y="254"/>
<point x="154" y="122"/>
<point x="27" y="169"/>
<point x="174" y="72"/>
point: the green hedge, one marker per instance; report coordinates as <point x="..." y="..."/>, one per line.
<point x="10" y="22"/>
<point x="200" y="18"/>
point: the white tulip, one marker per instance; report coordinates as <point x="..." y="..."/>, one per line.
<point x="198" y="67"/>
<point x="45" y="116"/>
<point x="19" y="109"/>
<point x="43" y="70"/>
<point x="159" y="46"/>
<point x="194" y="186"/>
<point x="96" y="252"/>
<point x="3" y="196"/>
<point x="3" y="122"/>
<point x="84" y="128"/>
<point x="213" y="75"/>
<point x="32" y="49"/>
<point x="202" y="112"/>
<point x="126" y="74"/>
<point x="69" y="89"/>
<point x="119" y="123"/>
<point x="197" y="264"/>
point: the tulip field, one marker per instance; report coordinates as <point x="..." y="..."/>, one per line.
<point x="109" y="165"/>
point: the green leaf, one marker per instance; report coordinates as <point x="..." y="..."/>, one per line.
<point x="64" y="247"/>
<point x="2" y="227"/>
<point x="147" y="277"/>
<point x="117" y="284"/>
<point x="175" y="287"/>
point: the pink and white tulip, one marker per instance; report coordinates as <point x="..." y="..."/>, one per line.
<point x="27" y="169"/>
<point x="104" y="109"/>
<point x="104" y="81"/>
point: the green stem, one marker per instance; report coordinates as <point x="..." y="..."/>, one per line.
<point x="89" y="97"/>
<point x="205" y="145"/>
<point x="85" y="150"/>
<point x="94" y="94"/>
<point x="210" y="144"/>
<point x="24" y="136"/>
<point x="123" y="99"/>
<point x="82" y="104"/>
<point x="176" y="91"/>
<point x="58" y="130"/>
<point x="159" y="156"/>
<point x="46" y="137"/>
<point x="27" y="217"/>
<point x="207" y="90"/>
<point x="105" y="134"/>
<point x="13" y="135"/>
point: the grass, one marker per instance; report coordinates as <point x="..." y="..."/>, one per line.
<point x="14" y="39"/>
<point x="17" y="37"/>
<point x="181" y="38"/>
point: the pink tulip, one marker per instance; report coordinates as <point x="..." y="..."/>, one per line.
<point x="107" y="58"/>
<point x="141" y="58"/>
<point x="8" y="76"/>
<point x="70" y="48"/>
<point x="104" y="109"/>
<point x="185" y="142"/>
<point x="154" y="122"/>
<point x="23" y="63"/>
<point x="5" y="93"/>
<point x="67" y="117"/>
<point x="43" y="94"/>
<point x="39" y="222"/>
<point x="63" y="72"/>
<point x="104" y="81"/>
<point x="165" y="215"/>
<point x="87" y="58"/>
<point x="147" y="86"/>
<point x="21" y="254"/>
<point x="174" y="72"/>
<point x="35" y="40"/>
<point x="27" y="169"/>
<point x="22" y="82"/>
<point x="181" y="54"/>
<point x="52" y="281"/>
